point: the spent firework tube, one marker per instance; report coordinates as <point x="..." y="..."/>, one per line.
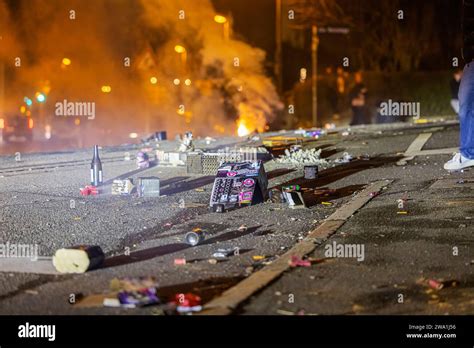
<point x="78" y="259"/>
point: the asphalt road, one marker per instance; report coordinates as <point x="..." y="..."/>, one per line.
<point x="400" y="250"/>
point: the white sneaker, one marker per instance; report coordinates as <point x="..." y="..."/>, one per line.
<point x="458" y="162"/>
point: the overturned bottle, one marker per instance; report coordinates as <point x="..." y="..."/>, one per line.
<point x="96" y="168"/>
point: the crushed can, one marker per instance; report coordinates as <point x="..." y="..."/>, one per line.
<point x="194" y="237"/>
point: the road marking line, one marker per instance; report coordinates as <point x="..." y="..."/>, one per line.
<point x="414" y="147"/>
<point x="445" y="151"/>
<point x="231" y="298"/>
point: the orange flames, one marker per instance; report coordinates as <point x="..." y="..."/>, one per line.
<point x="250" y="120"/>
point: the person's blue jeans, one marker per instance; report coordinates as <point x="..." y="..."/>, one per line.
<point x="466" y="112"/>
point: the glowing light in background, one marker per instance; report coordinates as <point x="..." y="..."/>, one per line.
<point x="176" y="82"/>
<point x="153" y="80"/>
<point x="106" y="89"/>
<point x="23" y="109"/>
<point x="28" y="101"/>
<point x="187" y="82"/>
<point x="2" y="123"/>
<point x="66" y="61"/>
<point x="179" y="49"/>
<point x="47" y="131"/>
<point x="220" y="19"/>
<point x="133" y="135"/>
<point x="77" y="122"/>
<point x="40" y="97"/>
<point x="303" y="75"/>
<point x="30" y="123"/>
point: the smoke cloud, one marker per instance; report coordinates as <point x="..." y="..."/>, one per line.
<point x="208" y="87"/>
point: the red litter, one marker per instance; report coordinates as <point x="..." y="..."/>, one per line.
<point x="89" y="190"/>
<point x="179" y="262"/>
<point x="187" y="303"/>
<point x="298" y="262"/>
<point x="187" y="300"/>
<point x="435" y="284"/>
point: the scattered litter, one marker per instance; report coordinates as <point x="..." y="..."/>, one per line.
<point x="122" y="187"/>
<point x="200" y="190"/>
<point x="295" y="199"/>
<point x="290" y="188"/>
<point x="78" y="259"/>
<point x="179" y="262"/>
<point x="374" y="194"/>
<point x="148" y="187"/>
<point x="223" y="253"/>
<point x="275" y="196"/>
<point x="298" y="262"/>
<point x="284" y="312"/>
<point x="310" y="172"/>
<point x="326" y="203"/>
<point x="258" y="257"/>
<point x="96" y="168"/>
<point x="434" y="284"/>
<point x="402" y="212"/>
<point x="187" y="143"/>
<point x="143" y="161"/>
<point x="302" y="157"/>
<point x="194" y="237"/>
<point x="346" y="158"/>
<point x="212" y="261"/>
<point x="138" y="298"/>
<point x="89" y="190"/>
<point x="242" y="228"/>
<point x="460" y="181"/>
<point x="187" y="303"/>
<point x="238" y="184"/>
<point x="111" y="302"/>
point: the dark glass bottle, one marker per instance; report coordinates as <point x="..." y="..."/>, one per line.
<point x="96" y="168"/>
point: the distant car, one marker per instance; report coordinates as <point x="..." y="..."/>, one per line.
<point x="16" y="127"/>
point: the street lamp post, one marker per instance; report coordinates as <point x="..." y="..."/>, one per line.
<point x="314" y="73"/>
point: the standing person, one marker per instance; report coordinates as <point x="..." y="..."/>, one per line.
<point x="465" y="157"/>
<point x="358" y="97"/>
<point x="455" y="82"/>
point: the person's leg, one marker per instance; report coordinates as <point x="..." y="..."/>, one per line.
<point x="466" y="112"/>
<point x="465" y="157"/>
